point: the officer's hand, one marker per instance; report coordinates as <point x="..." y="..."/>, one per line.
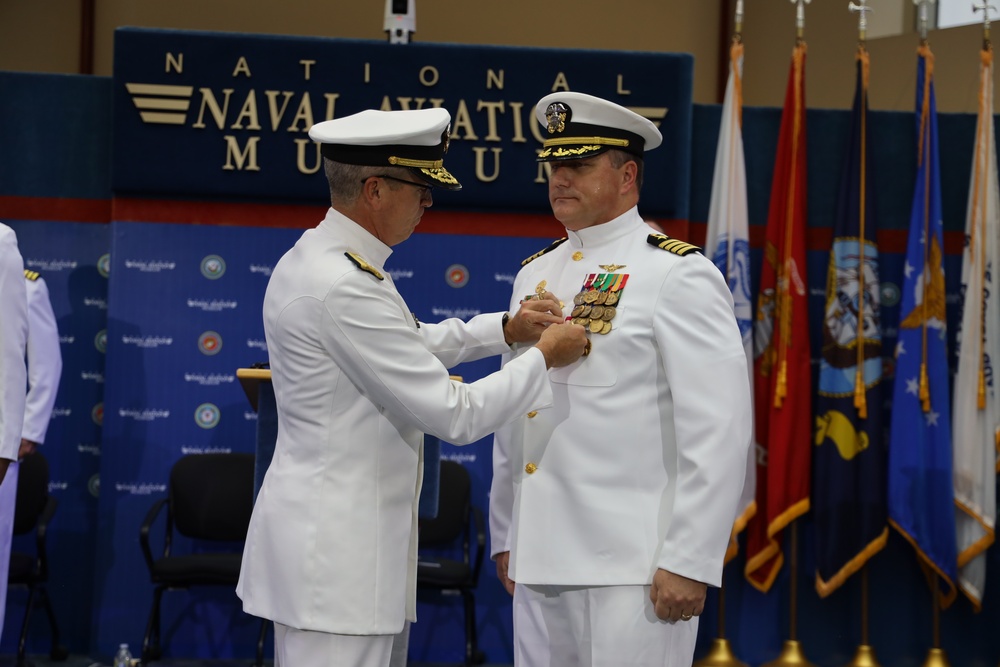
<point x="3" y="468"/>
<point x="27" y="447"/>
<point x="528" y="323"/>
<point x="562" y="344"/>
<point x="503" y="560"/>
<point x="676" y="598"/>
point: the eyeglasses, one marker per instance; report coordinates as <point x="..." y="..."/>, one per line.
<point x="425" y="190"/>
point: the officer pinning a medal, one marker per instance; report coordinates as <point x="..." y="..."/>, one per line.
<point x="331" y="551"/>
<point x="611" y="509"/>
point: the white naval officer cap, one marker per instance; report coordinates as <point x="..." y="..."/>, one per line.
<point x="578" y="125"/>
<point x="416" y="139"/>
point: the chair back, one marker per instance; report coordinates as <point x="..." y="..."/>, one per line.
<point x="211" y="496"/>
<point x="32" y="492"/>
<point x="453" y="507"/>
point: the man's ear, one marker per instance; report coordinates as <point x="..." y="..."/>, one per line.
<point x="630" y="171"/>
<point x="371" y="192"/>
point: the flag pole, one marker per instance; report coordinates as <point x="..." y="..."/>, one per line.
<point x="791" y="653"/>
<point x="865" y="654"/>
<point x="721" y="653"/>
<point x="936" y="656"/>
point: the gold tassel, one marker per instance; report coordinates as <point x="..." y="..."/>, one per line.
<point x="859" y="395"/>
<point x="981" y="391"/>
<point x="925" y="393"/>
<point x="781" y="390"/>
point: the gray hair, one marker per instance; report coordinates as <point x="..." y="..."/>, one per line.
<point x="619" y="158"/>
<point x="346" y="180"/>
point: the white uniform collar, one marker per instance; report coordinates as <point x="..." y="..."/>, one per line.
<point x="605" y="232"/>
<point x="355" y="237"/>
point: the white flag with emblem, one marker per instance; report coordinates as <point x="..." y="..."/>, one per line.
<point x="976" y="407"/>
<point x="727" y="244"/>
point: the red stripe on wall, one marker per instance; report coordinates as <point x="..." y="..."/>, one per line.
<point x="55" y="208"/>
<point x="297" y="216"/>
<point x="129" y="209"/>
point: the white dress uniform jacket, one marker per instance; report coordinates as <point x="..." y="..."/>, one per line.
<point x="44" y="360"/>
<point x="639" y="463"/>
<point x="332" y="542"/>
<point x="13" y="333"/>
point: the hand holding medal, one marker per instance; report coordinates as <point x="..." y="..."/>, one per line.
<point x="537" y="312"/>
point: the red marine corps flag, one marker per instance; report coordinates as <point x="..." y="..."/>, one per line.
<point x="782" y="386"/>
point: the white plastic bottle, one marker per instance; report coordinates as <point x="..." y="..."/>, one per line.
<point x="123" y="658"/>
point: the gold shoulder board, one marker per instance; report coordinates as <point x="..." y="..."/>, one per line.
<point x="31" y="275"/>
<point x="555" y="244"/>
<point x="676" y="246"/>
<point x="363" y="265"/>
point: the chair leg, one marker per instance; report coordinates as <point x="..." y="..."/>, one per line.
<point x="58" y="651"/>
<point x="473" y="656"/>
<point x="259" y="662"/>
<point x="24" y="627"/>
<point x="151" y="641"/>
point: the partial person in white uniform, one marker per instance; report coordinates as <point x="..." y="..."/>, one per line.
<point x="44" y="360"/>
<point x="13" y="379"/>
<point x="611" y="509"/>
<point x="331" y="550"/>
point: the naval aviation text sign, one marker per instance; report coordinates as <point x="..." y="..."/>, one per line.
<point x="199" y="114"/>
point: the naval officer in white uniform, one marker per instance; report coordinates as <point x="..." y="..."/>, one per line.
<point x="44" y="360"/>
<point x="331" y="551"/>
<point x="611" y="509"/>
<point x="13" y="334"/>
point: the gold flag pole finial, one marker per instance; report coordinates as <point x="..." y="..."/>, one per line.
<point x="862" y="9"/>
<point x="922" y="18"/>
<point x="985" y="8"/>
<point x="800" y="19"/>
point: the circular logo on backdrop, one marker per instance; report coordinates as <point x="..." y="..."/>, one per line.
<point x="104" y="264"/>
<point x="210" y="343"/>
<point x="97" y="414"/>
<point x="94" y="485"/>
<point x="890" y="294"/>
<point x="212" y="267"/>
<point x="101" y="341"/>
<point x="207" y="415"/>
<point x="457" y="275"/>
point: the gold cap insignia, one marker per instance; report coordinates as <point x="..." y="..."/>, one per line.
<point x="557" y="115"/>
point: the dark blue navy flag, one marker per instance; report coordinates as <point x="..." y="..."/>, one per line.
<point x="849" y="487"/>
<point x="921" y="499"/>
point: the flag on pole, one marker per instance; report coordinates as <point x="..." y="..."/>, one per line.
<point x="921" y="499"/>
<point x="782" y="386"/>
<point x="728" y="244"/>
<point x="849" y="506"/>
<point x="976" y="401"/>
